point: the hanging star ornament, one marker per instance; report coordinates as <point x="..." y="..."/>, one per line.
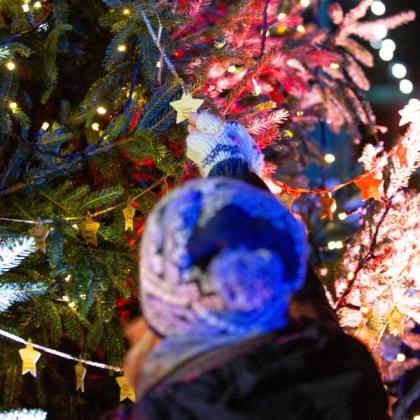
<point x="29" y="358"/>
<point x="126" y="390"/>
<point x="89" y="230"/>
<point x="328" y="206"/>
<point x="369" y="186"/>
<point x="129" y="213"/>
<point x="39" y="233"/>
<point x="185" y="106"/>
<point x="80" y="372"/>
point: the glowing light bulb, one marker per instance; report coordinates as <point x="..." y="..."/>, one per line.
<point x="329" y="158"/>
<point x="339" y="245"/>
<point x="126" y="11"/>
<point x="342" y="216"/>
<point x="281" y="16"/>
<point x="350" y="276"/>
<point x="401" y="357"/>
<point x="95" y="127"/>
<point x="10" y="65"/>
<point x="399" y="70"/>
<point x="305" y="3"/>
<point x="232" y="69"/>
<point x="416" y="417"/>
<point x="301" y="29"/>
<point x="300" y="113"/>
<point x="66" y="298"/>
<point x="388" y="44"/>
<point x="376" y="43"/>
<point x="386" y="54"/>
<point x="257" y="87"/>
<point x="67" y="278"/>
<point x="406" y="86"/>
<point x="45" y="126"/>
<point x="380" y="31"/>
<point x="378" y="8"/>
<point x="122" y="48"/>
<point x="13" y="106"/>
<point x="331" y="245"/>
<point x="25" y="8"/>
<point x="101" y="110"/>
<point x="323" y="271"/>
<point x="37" y="5"/>
<point x="72" y="304"/>
<point x="334" y="66"/>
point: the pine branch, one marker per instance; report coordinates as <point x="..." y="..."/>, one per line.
<point x="11" y="293"/>
<point x="12" y="254"/>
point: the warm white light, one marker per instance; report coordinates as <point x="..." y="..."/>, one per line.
<point x="329" y="158"/>
<point x="72" y="304"/>
<point x="399" y="70"/>
<point x="376" y="43"/>
<point x="386" y="54"/>
<point x="331" y="245"/>
<point x="401" y="357"/>
<point x="342" y="216"/>
<point x="10" y="65"/>
<point x="126" y="11"/>
<point x="378" y="8"/>
<point x="101" y="110"/>
<point x="323" y="271"/>
<point x="232" y="69"/>
<point x="45" y="126"/>
<point x="25" y="8"/>
<point x="339" y="245"/>
<point x="334" y="66"/>
<point x="122" y="48"/>
<point x="95" y="127"/>
<point x="380" y="31"/>
<point x="281" y="16"/>
<point x="305" y="3"/>
<point x="13" y="106"/>
<point x="66" y="298"/>
<point x="389" y="44"/>
<point x="300" y="28"/>
<point x="68" y="277"/>
<point x="416" y="417"/>
<point x="37" y="5"/>
<point x="406" y="86"/>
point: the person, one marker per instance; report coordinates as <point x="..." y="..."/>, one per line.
<point x="222" y="260"/>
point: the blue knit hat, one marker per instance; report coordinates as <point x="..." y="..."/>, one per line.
<point x="220" y="257"/>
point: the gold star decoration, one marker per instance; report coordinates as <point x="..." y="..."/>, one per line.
<point x="29" y="358"/>
<point x="328" y="206"/>
<point x="185" y="106"/>
<point x="369" y="186"/>
<point x="39" y="233"/>
<point x="80" y="372"/>
<point x="129" y="213"/>
<point x="89" y="229"/>
<point x="126" y="390"/>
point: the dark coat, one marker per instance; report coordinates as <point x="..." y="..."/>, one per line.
<point x="306" y="372"/>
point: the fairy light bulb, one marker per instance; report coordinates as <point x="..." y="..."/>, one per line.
<point x="45" y="126"/>
<point x="10" y="65"/>
<point x="342" y="216"/>
<point x="406" y="86"/>
<point x="301" y="29"/>
<point x="389" y="44"/>
<point x="386" y="54"/>
<point x="257" y="88"/>
<point x="122" y="48"/>
<point x="126" y="11"/>
<point x="25" y="8"/>
<point x="329" y="158"/>
<point x="401" y="357"/>
<point x="334" y="66"/>
<point x="305" y="3"/>
<point x="101" y="110"/>
<point x="13" y="106"/>
<point x="398" y="70"/>
<point x="281" y="16"/>
<point x="37" y="5"/>
<point x="232" y="69"/>
<point x="66" y="298"/>
<point x="95" y="127"/>
<point x="378" y="8"/>
<point x="72" y="304"/>
<point x="380" y="31"/>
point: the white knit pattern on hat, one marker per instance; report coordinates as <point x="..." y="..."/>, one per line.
<point x="215" y="142"/>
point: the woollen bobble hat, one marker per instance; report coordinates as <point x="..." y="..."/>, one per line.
<point x="220" y="257"/>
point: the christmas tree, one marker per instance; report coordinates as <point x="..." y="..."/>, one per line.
<point x="89" y="142"/>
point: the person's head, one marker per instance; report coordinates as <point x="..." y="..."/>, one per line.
<point x="220" y="257"/>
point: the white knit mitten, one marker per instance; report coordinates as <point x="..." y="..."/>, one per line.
<point x="214" y="142"/>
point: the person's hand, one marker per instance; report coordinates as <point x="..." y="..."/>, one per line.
<point x="211" y="141"/>
<point x="143" y="341"/>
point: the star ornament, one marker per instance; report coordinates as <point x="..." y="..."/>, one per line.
<point x="369" y="186"/>
<point x="411" y="112"/>
<point x="126" y="390"/>
<point x="29" y="358"/>
<point x="185" y="106"/>
<point x="80" y="372"/>
<point x="328" y="206"/>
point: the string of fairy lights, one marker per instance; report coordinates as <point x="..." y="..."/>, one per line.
<point x="387" y="51"/>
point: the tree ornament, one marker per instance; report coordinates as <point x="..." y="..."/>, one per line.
<point x="89" y="230"/>
<point x="80" y="372"/>
<point x="29" y="358"/>
<point x="328" y="206"/>
<point x="126" y="390"/>
<point x="129" y="213"/>
<point x="369" y="186"/>
<point x="39" y="233"/>
<point x="185" y="106"/>
<point x="288" y="197"/>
